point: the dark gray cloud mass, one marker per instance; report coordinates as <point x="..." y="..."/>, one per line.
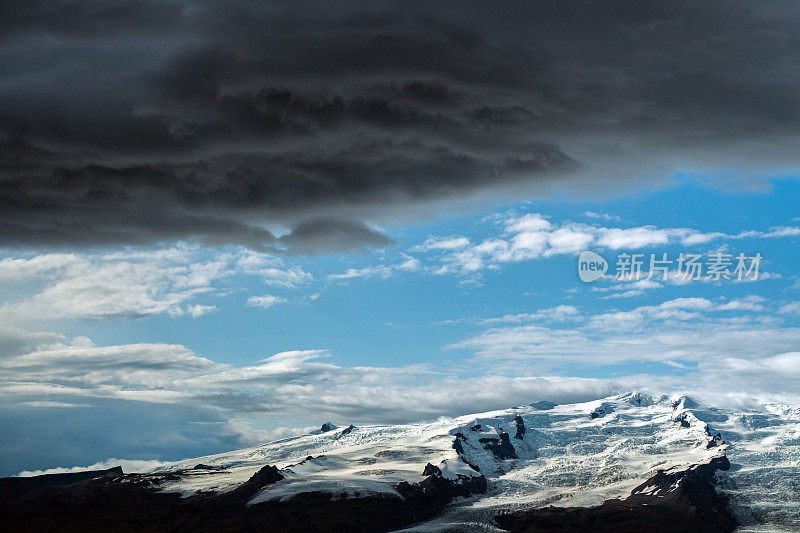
<point x="144" y="121"/>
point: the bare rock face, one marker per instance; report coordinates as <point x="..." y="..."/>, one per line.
<point x="458" y="443"/>
<point x="431" y="470"/>
<point x="683" y="501"/>
<point x="501" y="447"/>
<point x="268" y="475"/>
<point x="520" y="423"/>
<point x="327" y="426"/>
<point x="439" y="489"/>
<point x="715" y="441"/>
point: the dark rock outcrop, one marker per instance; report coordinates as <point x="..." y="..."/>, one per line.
<point x="439" y="490"/>
<point x="715" y="441"/>
<point x="500" y="448"/>
<point x="68" y="478"/>
<point x="601" y="411"/>
<point x="682" y="501"/>
<point x="431" y="470"/>
<point x="520" y="423"/>
<point x="201" y="466"/>
<point x="268" y="475"/>
<point x="327" y="426"/>
<point x="683" y="420"/>
<point x="458" y="441"/>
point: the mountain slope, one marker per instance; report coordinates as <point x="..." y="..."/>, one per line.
<point x="502" y="468"/>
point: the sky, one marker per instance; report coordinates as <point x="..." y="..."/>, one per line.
<point x="225" y="223"/>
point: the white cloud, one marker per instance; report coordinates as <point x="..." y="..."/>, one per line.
<point x="748" y="303"/>
<point x="773" y="233"/>
<point x="134" y="283"/>
<point x="14" y="340"/>
<point x="618" y="338"/>
<point x="568" y="241"/>
<point x="530" y="223"/>
<point x="533" y="236"/>
<point x="625" y="294"/>
<point x="442" y="243"/>
<point x="685" y="303"/>
<point x="559" y="313"/>
<point x="525" y="245"/>
<point x="289" y="384"/>
<point x="286" y="278"/>
<point x="680" y="329"/>
<point x="250" y="436"/>
<point x="768" y="377"/>
<point x="632" y="238"/>
<point x="73" y="366"/>
<point x="378" y="271"/>
<point x="627" y="288"/>
<point x="602" y="216"/>
<point x="629" y="284"/>
<point x="265" y="301"/>
<point x="49" y="404"/>
<point x="792" y="308"/>
<point x="272" y="270"/>
<point x="693" y="239"/>
<point x="198" y="310"/>
<point x="409" y="264"/>
<point x="12" y="269"/>
<point x="114" y="285"/>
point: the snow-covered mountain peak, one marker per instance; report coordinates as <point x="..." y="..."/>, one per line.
<point x="598" y="449"/>
<point x="624" y="448"/>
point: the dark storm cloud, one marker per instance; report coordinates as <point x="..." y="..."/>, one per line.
<point x="320" y="235"/>
<point x="136" y="122"/>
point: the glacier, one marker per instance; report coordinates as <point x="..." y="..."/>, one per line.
<point x="569" y="455"/>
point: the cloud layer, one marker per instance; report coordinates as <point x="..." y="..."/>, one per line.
<point x="133" y="284"/>
<point x="182" y="403"/>
<point x="533" y="236"/>
<point x="237" y="122"/>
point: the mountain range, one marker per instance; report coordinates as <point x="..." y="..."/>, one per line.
<point x="627" y="463"/>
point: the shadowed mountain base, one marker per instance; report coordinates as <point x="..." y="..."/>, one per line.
<point x="113" y="501"/>
<point x="682" y="501"/>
